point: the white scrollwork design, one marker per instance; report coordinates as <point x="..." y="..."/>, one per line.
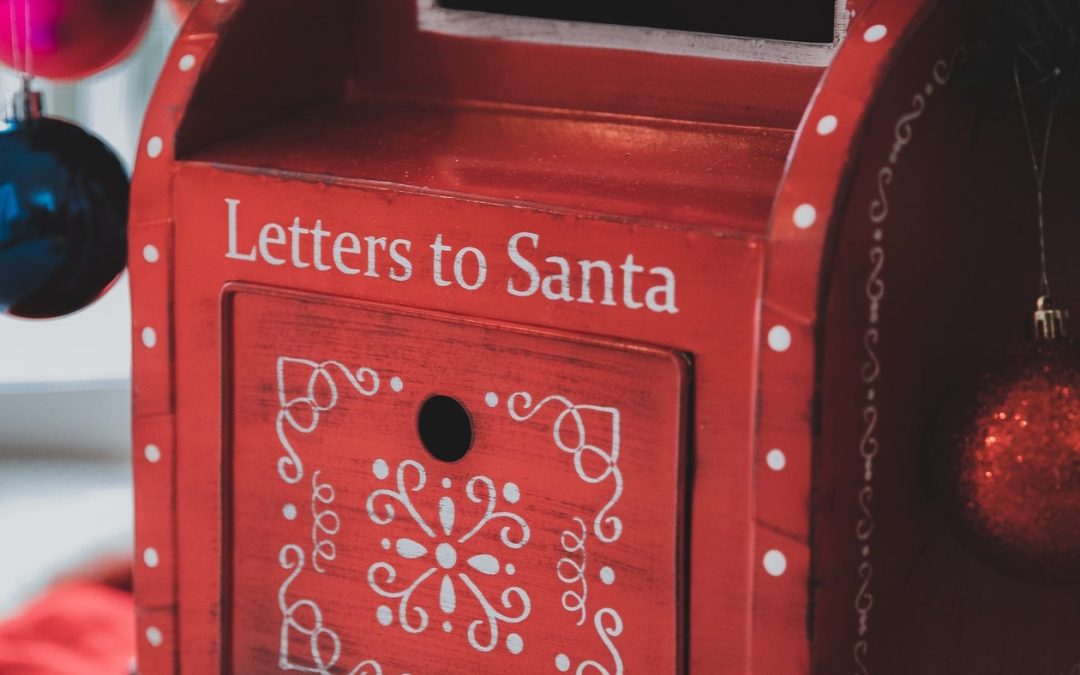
<point x="943" y="69"/>
<point x="325" y="523"/>
<point x="864" y="600"/>
<point x="490" y="514"/>
<point x="493" y="616"/>
<point x="520" y="406"/>
<point x="608" y="625"/>
<point x="864" y="528"/>
<point x="903" y="131"/>
<point x="879" y="208"/>
<point x="871" y="369"/>
<point x="868" y="446"/>
<point x="571" y="570"/>
<point x="859" y="653"/>
<point x="401" y="496"/>
<point x="875" y="286"/>
<point x="403" y="596"/>
<point x="444" y="556"/>
<point x="319" y="637"/>
<point x="363" y="380"/>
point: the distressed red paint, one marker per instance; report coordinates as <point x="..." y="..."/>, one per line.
<point x="329" y="197"/>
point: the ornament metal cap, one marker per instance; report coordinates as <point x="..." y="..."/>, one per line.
<point x="26" y="104"/>
<point x="1050" y="323"/>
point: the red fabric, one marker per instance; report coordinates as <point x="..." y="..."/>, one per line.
<point x="74" y="629"/>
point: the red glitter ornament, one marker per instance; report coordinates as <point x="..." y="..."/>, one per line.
<point x="1008" y="462"/>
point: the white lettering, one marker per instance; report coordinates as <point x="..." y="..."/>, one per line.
<point x="265" y="241"/>
<point x="481" y="268"/>
<point x="438" y="249"/>
<point x="400" y="260"/>
<point x="297" y="233"/>
<point x="587" y="266"/>
<point x="667" y="289"/>
<point x="232" y="252"/>
<point x="563" y="278"/>
<point x="523" y="264"/>
<point x="373" y="244"/>
<point x="339" y="249"/>
<point x="629" y="268"/>
<point x="317" y="236"/>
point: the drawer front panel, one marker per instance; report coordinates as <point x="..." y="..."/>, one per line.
<point x="417" y="493"/>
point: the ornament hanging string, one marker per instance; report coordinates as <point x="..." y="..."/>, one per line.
<point x="1039" y="167"/>
<point x="22" y="56"/>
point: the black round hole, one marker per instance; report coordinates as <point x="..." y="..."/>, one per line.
<point x="445" y="428"/>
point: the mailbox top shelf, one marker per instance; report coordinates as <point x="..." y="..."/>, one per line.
<point x="713" y="176"/>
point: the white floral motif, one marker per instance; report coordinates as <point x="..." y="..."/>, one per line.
<point x="443" y="558"/>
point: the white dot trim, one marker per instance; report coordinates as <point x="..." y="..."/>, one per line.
<point x="151" y="254"/>
<point x="289" y="511"/>
<point x="154" y="147"/>
<point x="875" y="33"/>
<point x="150" y="557"/>
<point x="776" y="460"/>
<point x="805" y="216"/>
<point x="149" y="337"/>
<point x="187" y="62"/>
<point x="775" y="563"/>
<point x="154" y="636"/>
<point x="827" y="124"/>
<point x="779" y="339"/>
<point x="152" y="453"/>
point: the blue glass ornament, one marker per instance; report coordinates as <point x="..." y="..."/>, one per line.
<point x="63" y="214"/>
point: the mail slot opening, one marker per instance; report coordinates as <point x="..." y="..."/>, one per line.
<point x="445" y="428"/>
<point x="806" y="21"/>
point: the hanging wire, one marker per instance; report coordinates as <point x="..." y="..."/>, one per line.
<point x="16" y="57"/>
<point x="27" y="48"/>
<point x="1040" y="171"/>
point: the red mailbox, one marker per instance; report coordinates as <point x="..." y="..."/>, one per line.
<point x="468" y="343"/>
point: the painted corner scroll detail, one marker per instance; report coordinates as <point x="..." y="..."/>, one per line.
<point x="594" y="465"/>
<point x="301" y="413"/>
<point x="304" y="617"/>
<point x="441" y="552"/>
<point x="319" y="637"/>
<point x="569" y="434"/>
